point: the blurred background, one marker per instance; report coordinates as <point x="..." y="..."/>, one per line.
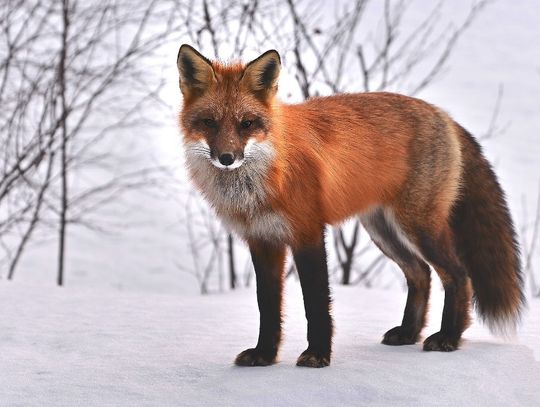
<point x="93" y="191"/>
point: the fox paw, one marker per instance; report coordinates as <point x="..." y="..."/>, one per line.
<point x="310" y="358"/>
<point x="254" y="357"/>
<point x="441" y="342"/>
<point x="399" y="336"/>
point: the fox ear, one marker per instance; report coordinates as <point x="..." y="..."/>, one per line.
<point x="261" y="75"/>
<point x="196" y="72"/>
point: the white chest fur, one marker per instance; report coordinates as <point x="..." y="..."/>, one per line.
<point x="269" y="226"/>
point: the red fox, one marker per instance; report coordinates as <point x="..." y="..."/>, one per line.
<point x="278" y="173"/>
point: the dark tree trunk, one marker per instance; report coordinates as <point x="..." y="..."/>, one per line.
<point x="63" y="150"/>
<point x="232" y="268"/>
<point x="346" y="271"/>
<point x="346" y="252"/>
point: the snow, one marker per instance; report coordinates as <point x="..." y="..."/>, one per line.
<point x="86" y="347"/>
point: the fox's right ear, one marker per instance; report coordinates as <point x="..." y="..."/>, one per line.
<point x="196" y="72"/>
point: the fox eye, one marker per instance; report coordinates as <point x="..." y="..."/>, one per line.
<point x="246" y="123"/>
<point x="210" y="123"/>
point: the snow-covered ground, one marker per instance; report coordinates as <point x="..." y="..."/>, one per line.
<point x="63" y="347"/>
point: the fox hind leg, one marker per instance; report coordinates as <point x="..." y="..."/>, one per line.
<point x="414" y="317"/>
<point x="417" y="273"/>
<point x="439" y="250"/>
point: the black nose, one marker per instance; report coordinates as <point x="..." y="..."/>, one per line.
<point x="226" y="158"/>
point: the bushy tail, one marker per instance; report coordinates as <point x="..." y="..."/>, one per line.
<point x="486" y="242"/>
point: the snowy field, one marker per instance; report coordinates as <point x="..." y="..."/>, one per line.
<point x="77" y="347"/>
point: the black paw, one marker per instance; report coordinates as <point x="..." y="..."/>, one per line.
<point x="399" y="336"/>
<point x="254" y="357"/>
<point x="441" y="342"/>
<point x="311" y="358"/>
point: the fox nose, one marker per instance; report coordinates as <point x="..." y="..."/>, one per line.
<point x="226" y="158"/>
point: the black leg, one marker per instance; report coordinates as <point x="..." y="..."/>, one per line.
<point x="416" y="271"/>
<point x="414" y="316"/>
<point x="313" y="271"/>
<point x="457" y="295"/>
<point x="455" y="317"/>
<point x="269" y="261"/>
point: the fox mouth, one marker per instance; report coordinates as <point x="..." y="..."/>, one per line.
<point x="257" y="156"/>
<point x="236" y="164"/>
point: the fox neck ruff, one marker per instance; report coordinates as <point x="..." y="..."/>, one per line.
<point x="239" y="196"/>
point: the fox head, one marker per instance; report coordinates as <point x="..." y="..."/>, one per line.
<point x="226" y="116"/>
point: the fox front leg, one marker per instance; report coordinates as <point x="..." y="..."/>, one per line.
<point x="269" y="261"/>
<point x="313" y="272"/>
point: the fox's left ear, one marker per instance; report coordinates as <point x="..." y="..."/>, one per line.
<point x="261" y="75"/>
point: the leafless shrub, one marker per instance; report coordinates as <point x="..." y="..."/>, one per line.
<point x="72" y="74"/>
<point x="206" y="242"/>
